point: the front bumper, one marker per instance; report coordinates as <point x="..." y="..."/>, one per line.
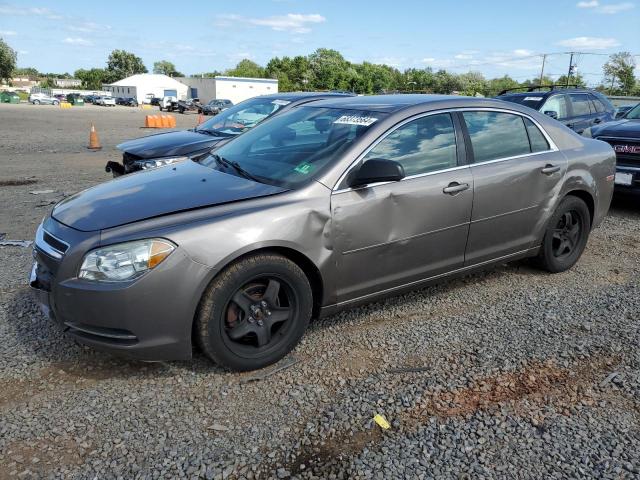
<point x="634" y="186"/>
<point x="149" y="318"/>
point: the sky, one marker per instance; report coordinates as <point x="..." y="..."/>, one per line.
<point x="494" y="37"/>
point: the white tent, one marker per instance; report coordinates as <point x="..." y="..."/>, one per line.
<point x="143" y="86"/>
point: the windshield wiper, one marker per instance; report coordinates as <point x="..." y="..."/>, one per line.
<point x="236" y="166"/>
<point x="213" y="133"/>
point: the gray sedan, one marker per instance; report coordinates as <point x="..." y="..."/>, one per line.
<point x="326" y="206"/>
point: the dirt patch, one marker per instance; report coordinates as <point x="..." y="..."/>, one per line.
<point x="63" y="376"/>
<point x="539" y="382"/>
<point x="36" y="458"/>
<point x="17" y="182"/>
<point x="334" y="449"/>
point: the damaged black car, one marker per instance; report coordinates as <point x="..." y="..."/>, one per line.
<point x="168" y="148"/>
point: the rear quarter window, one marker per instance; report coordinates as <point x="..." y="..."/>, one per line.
<point x="536" y="138"/>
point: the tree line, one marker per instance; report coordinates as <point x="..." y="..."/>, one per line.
<point x="326" y="69"/>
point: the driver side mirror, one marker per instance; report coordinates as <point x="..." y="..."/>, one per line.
<point x="553" y="114"/>
<point x="376" y="170"/>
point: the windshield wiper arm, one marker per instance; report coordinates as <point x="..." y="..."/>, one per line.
<point x="236" y="166"/>
<point x="213" y="133"/>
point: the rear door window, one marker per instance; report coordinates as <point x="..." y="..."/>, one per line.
<point x="496" y="135"/>
<point x="599" y="106"/>
<point x="558" y="104"/>
<point x="580" y="104"/>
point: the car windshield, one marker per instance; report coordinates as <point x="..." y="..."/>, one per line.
<point x="531" y="101"/>
<point x="295" y="146"/>
<point x="634" y="113"/>
<point x="242" y="117"/>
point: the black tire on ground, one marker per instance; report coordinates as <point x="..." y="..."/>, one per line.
<point x="55" y="102"/>
<point x="36" y="102"/>
<point x="159" y="108"/>
<point x="248" y="301"/>
<point x="566" y="236"/>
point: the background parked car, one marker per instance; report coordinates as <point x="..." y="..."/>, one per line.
<point x="127" y="101"/>
<point x="214" y="107"/>
<point x="105" y="101"/>
<point x="577" y="108"/>
<point x="43" y="98"/>
<point x="90" y="98"/>
<point x="170" y="147"/>
<point x="75" y="99"/>
<point x="622" y="111"/>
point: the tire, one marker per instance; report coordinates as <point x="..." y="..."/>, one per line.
<point x="250" y="280"/>
<point x="55" y="102"/>
<point x="566" y="236"/>
<point x="159" y="108"/>
<point x="36" y="102"/>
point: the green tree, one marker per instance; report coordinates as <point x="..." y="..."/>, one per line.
<point x="92" y="79"/>
<point x="618" y="73"/>
<point x="496" y="85"/>
<point x="165" y="67"/>
<point x="246" y="68"/>
<point x="473" y="83"/>
<point x="576" y="79"/>
<point x="329" y="69"/>
<point x="122" y="64"/>
<point x="27" y="72"/>
<point x="8" y="58"/>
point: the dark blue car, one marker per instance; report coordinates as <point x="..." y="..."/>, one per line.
<point x="624" y="136"/>
<point x="577" y="108"/>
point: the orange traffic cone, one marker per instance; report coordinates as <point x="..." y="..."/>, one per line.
<point x="94" y="142"/>
<point x="172" y="121"/>
<point x="164" y="121"/>
<point x="147" y="121"/>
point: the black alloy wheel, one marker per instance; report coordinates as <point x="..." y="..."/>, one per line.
<point x="566" y="235"/>
<point x="254" y="312"/>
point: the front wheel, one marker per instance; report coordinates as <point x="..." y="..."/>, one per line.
<point x="55" y="102"/>
<point x="254" y="312"/>
<point x="36" y="102"/>
<point x="566" y="236"/>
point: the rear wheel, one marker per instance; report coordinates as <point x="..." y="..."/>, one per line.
<point x="36" y="102"/>
<point x="566" y="236"/>
<point x="254" y="312"/>
<point x="55" y="102"/>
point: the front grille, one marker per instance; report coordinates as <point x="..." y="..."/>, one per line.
<point x="627" y="150"/>
<point x="50" y="245"/>
<point x="58" y="245"/>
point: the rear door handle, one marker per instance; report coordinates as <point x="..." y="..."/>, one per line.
<point x="455" y="187"/>
<point x="550" y="169"/>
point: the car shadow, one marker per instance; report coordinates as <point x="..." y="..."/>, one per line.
<point x="625" y="204"/>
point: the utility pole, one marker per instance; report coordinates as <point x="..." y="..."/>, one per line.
<point x="544" y="58"/>
<point x="570" y="68"/>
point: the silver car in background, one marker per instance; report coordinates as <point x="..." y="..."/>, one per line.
<point x="43" y="99"/>
<point x="326" y="206"/>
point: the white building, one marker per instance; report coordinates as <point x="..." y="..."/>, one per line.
<point x="144" y="86"/>
<point x="235" y="89"/>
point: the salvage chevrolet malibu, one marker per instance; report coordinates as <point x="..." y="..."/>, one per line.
<point x="323" y="207"/>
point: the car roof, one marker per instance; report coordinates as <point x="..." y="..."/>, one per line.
<point x="295" y="96"/>
<point x="548" y="93"/>
<point x="397" y="102"/>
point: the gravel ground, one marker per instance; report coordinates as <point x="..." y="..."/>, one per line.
<point x="512" y="373"/>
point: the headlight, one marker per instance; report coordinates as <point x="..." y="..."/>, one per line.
<point x="159" y="162"/>
<point x="587" y="132"/>
<point x="124" y="261"/>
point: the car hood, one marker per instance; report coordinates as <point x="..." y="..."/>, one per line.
<point x="153" y="193"/>
<point x="169" y="144"/>
<point x="625" y="128"/>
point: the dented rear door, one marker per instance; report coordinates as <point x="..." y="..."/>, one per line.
<point x="392" y="234"/>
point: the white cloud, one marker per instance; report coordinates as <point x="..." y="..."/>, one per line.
<point x="607" y="9"/>
<point x="291" y="22"/>
<point x="7" y="33"/>
<point x="522" y="52"/>
<point x="6" y="9"/>
<point x="88" y="27"/>
<point x="464" y="56"/>
<point x="83" y="42"/>
<point x="614" y="8"/>
<point x="590" y="43"/>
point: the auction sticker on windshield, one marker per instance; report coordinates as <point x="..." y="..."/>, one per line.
<point x="355" y="120"/>
<point x="532" y="99"/>
<point x="281" y="102"/>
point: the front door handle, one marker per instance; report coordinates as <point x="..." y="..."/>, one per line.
<point x="455" y="187"/>
<point x="550" y="169"/>
<point x="597" y="120"/>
